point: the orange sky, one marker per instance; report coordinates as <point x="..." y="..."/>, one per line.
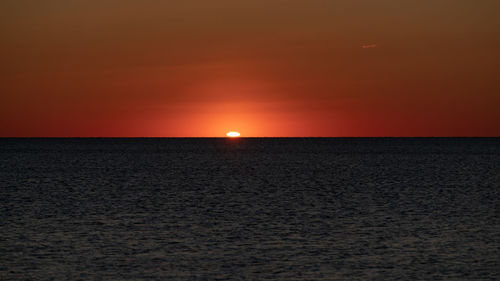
<point x="262" y="67"/>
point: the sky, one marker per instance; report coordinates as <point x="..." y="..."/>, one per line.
<point x="265" y="68"/>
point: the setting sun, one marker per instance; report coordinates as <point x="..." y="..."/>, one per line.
<point x="233" y="134"/>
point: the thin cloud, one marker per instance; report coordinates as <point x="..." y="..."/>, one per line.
<point x="369" y="46"/>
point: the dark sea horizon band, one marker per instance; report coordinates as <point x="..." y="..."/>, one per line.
<point x="249" y="208"/>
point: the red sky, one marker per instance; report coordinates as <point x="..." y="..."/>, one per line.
<point x="262" y="67"/>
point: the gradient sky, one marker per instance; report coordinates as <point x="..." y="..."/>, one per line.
<point x="262" y="67"/>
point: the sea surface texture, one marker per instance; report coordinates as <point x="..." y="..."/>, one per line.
<point x="250" y="209"/>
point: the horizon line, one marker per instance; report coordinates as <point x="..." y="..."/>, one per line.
<point x="225" y="137"/>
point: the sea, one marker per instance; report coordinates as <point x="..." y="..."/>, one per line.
<point x="250" y="209"/>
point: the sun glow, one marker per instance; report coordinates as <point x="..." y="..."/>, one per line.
<point x="233" y="134"/>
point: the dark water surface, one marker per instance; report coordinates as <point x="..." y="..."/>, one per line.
<point x="216" y="209"/>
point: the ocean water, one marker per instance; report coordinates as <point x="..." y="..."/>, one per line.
<point x="250" y="209"/>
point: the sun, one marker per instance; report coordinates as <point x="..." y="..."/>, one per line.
<point x="233" y="134"/>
